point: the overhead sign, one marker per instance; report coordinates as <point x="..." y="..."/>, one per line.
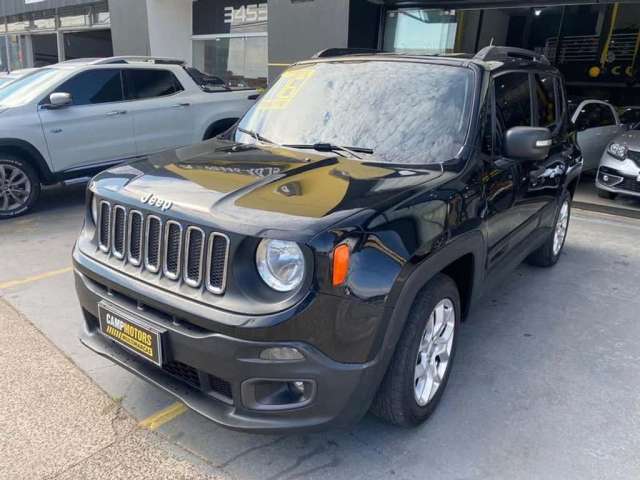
<point x="215" y="17"/>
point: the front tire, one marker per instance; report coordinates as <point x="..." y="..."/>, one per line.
<point x="549" y="253"/>
<point x="420" y="367"/>
<point x="19" y="186"/>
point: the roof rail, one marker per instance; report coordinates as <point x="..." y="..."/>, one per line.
<point x="339" y="52"/>
<point x="138" y="59"/>
<point x="501" y="53"/>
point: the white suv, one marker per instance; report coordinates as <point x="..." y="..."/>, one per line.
<point x="70" y="120"/>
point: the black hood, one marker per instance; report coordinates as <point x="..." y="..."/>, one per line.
<point x="259" y="190"/>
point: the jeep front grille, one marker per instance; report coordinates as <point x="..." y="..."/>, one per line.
<point x="152" y="244"/>
<point x="216" y="265"/>
<point x="105" y="227"/>
<point x="136" y="230"/>
<point x="193" y="257"/>
<point x="119" y="231"/>
<point x="180" y="252"/>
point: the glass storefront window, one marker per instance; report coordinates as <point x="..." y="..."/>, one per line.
<point x="240" y="61"/>
<point x="75" y="21"/>
<point x="420" y="30"/>
<point x="4" y="64"/>
<point x="44" y="24"/>
<point x="18" y="26"/>
<point x="18" y="52"/>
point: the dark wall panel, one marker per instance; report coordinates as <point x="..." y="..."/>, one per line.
<point x="364" y="24"/>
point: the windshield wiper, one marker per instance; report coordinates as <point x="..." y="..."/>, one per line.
<point x="257" y="136"/>
<point x="329" y="147"/>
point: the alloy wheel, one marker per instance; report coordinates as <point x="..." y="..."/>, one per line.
<point x="562" y="225"/>
<point x="434" y="352"/>
<point x="15" y="188"/>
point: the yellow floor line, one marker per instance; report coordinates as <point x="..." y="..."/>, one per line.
<point x="35" y="278"/>
<point x="158" y="419"/>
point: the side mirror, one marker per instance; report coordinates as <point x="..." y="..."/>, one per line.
<point x="59" y="100"/>
<point x="528" y="143"/>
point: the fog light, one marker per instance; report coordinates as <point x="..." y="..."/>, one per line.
<point x="281" y="353"/>
<point x="605" y="178"/>
<point x="297" y="387"/>
<point x="265" y="394"/>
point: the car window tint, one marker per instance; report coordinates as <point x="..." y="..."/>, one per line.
<point x="546" y="100"/>
<point x="594" y="115"/>
<point x="149" y="83"/>
<point x="513" y="100"/>
<point x="630" y="116"/>
<point x="94" y="86"/>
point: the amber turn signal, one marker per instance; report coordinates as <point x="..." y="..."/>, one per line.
<point x="340" y="264"/>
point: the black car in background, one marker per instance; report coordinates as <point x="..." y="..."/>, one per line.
<point x="316" y="261"/>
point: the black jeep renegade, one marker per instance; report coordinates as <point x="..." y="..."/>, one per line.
<point x="315" y="262"/>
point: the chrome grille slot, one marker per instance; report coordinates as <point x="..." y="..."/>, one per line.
<point x="172" y="250"/>
<point x="217" y="255"/>
<point x="136" y="223"/>
<point x="153" y="243"/>
<point x="184" y="253"/>
<point x="104" y="233"/>
<point x="119" y="231"/>
<point x="194" y="251"/>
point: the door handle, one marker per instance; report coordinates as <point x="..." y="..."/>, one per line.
<point x="182" y="105"/>
<point x="115" y="113"/>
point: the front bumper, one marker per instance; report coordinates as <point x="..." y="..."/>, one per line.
<point x="208" y="371"/>
<point x="618" y="180"/>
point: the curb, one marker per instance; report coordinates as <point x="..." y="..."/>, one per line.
<point x="594" y="207"/>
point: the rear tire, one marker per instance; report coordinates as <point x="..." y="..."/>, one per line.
<point x="606" y="194"/>
<point x="419" y="370"/>
<point x="19" y="186"/>
<point x="549" y="253"/>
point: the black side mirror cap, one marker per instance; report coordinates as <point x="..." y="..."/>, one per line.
<point x="528" y="143"/>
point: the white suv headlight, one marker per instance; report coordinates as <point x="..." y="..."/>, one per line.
<point x="280" y="264"/>
<point x="618" y="150"/>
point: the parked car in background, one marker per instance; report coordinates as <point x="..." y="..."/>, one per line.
<point x="619" y="171"/>
<point x="629" y="115"/>
<point x="597" y="123"/>
<point x="70" y="120"/>
<point x="7" y="78"/>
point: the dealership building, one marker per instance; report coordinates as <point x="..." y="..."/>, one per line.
<point x="595" y="44"/>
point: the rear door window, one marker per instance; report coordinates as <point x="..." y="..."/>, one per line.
<point x="513" y="100"/>
<point x="593" y="115"/>
<point x="546" y="100"/>
<point x="513" y="104"/>
<point x="142" y="84"/>
<point x="94" y="86"/>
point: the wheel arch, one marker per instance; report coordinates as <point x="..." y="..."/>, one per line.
<point x="218" y="127"/>
<point x="29" y="153"/>
<point x="463" y="260"/>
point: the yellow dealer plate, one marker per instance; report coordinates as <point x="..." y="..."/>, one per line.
<point x="131" y="331"/>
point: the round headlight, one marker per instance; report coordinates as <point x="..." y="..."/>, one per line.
<point x="280" y="264"/>
<point x="94" y="209"/>
<point x="618" y="150"/>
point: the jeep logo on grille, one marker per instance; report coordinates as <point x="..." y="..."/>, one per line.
<point x="153" y="201"/>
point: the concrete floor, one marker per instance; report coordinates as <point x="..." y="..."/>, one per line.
<point x="76" y="431"/>
<point x="546" y="382"/>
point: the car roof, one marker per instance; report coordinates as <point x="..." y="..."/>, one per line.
<point x="503" y="59"/>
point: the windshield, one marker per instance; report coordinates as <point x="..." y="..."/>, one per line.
<point x="31" y="86"/>
<point x="407" y="113"/>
